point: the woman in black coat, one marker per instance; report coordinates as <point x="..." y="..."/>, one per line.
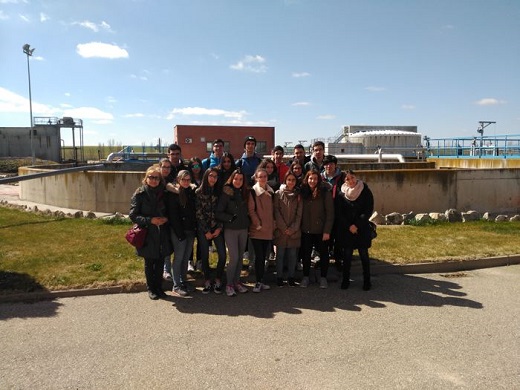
<point x="354" y="206"/>
<point x="147" y="209"/>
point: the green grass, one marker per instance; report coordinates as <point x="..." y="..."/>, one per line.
<point x="43" y="252"/>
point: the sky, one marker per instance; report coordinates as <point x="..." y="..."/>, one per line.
<point x="133" y="69"/>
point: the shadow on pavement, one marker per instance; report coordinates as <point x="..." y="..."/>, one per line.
<point x="12" y="283"/>
<point x="397" y="289"/>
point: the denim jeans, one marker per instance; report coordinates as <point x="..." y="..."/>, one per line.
<point x="286" y="255"/>
<point x="182" y="250"/>
<point x="236" y="243"/>
<point x="204" y="254"/>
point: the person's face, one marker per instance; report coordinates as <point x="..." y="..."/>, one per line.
<point x="185" y="181"/>
<point x="318" y="152"/>
<point x="226" y="163"/>
<point x="153" y="179"/>
<point x="196" y="168"/>
<point x="299" y="154"/>
<point x="212" y="178"/>
<point x="330" y="168"/>
<point x="174" y="156"/>
<point x="351" y="180"/>
<point x="297" y="169"/>
<point x="261" y="178"/>
<point x="269" y="168"/>
<point x="218" y="149"/>
<point x="250" y="146"/>
<point x="238" y="180"/>
<point x="290" y="182"/>
<point x="278" y="156"/>
<point x="312" y="181"/>
<point x="166" y="168"/>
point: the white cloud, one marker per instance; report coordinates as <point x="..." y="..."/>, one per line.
<point x="489" y="102"/>
<point x="301" y="104"/>
<point x="24" y="18"/>
<point x="11" y="102"/>
<point x="100" y="50"/>
<point x="408" y="107"/>
<point x="92" y="113"/>
<point x="254" y="64"/>
<point x="136" y="115"/>
<point x="326" y="117"/>
<point x="96" y="27"/>
<point x="375" y="89"/>
<point x="43" y="17"/>
<point x="198" y="111"/>
<point x="300" y="74"/>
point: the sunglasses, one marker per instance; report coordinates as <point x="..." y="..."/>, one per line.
<point x="196" y="166"/>
<point x="154" y="177"/>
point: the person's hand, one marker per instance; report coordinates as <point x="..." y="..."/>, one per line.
<point x="208" y="236"/>
<point x="326" y="237"/>
<point x="259" y="227"/>
<point x="353" y="229"/>
<point x="217" y="232"/>
<point x="158" y="221"/>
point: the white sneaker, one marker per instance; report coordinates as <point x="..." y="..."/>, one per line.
<point x="257" y="288"/>
<point x="167" y="276"/>
<point x="265" y="287"/>
<point x="190" y="267"/>
<point x="241" y="288"/>
<point x="305" y="282"/>
<point x="323" y="282"/>
<point x="230" y="291"/>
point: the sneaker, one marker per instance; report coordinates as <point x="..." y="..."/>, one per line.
<point x="246" y="256"/>
<point x="257" y="288"/>
<point x="299" y="266"/>
<point x="279" y="282"/>
<point x="153" y="296"/>
<point x="272" y="256"/>
<point x="190" y="267"/>
<point x="323" y="282"/>
<point x="199" y="265"/>
<point x="241" y="288"/>
<point x="179" y="291"/>
<point x="291" y="282"/>
<point x="207" y="287"/>
<point x="265" y="286"/>
<point x="217" y="288"/>
<point x="305" y="282"/>
<point x="167" y="276"/>
<point x="230" y="291"/>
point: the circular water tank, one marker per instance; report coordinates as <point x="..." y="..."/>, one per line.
<point x="391" y="141"/>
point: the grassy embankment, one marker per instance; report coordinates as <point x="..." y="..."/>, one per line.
<point x="45" y="252"/>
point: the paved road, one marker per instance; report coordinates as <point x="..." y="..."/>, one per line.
<point x="409" y="332"/>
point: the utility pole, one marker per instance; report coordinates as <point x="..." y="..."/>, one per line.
<point x="480" y="130"/>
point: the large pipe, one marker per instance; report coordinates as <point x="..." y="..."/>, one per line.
<point x="53" y="172"/>
<point x="372" y="157"/>
<point x="133" y="156"/>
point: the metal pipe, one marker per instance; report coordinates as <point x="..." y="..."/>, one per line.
<point x="372" y="157"/>
<point x="55" y="172"/>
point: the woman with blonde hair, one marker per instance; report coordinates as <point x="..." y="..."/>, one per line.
<point x="148" y="210"/>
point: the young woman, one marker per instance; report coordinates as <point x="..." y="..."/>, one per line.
<point x="181" y="214"/>
<point x="288" y="208"/>
<point x="148" y="209"/>
<point x="232" y="211"/>
<point x="260" y="207"/>
<point x="225" y="169"/>
<point x="297" y="168"/>
<point x="165" y="166"/>
<point x="209" y="229"/>
<point x="317" y="220"/>
<point x="354" y="207"/>
<point x="195" y="170"/>
<point x="273" y="179"/>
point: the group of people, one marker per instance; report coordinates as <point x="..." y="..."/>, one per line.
<point x="253" y="204"/>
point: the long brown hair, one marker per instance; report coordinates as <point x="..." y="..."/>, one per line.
<point x="244" y="190"/>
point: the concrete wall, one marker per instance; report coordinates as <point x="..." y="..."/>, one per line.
<point x="417" y="190"/>
<point x="475" y="163"/>
<point x="16" y="142"/>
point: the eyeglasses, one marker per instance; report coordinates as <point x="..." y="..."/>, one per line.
<point x="213" y="176"/>
<point x="196" y="166"/>
<point x="154" y="177"/>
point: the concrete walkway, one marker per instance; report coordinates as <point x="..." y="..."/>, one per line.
<point x="409" y="332"/>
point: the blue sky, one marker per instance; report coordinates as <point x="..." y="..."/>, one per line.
<point x="132" y="70"/>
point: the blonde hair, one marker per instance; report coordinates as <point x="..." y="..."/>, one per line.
<point x="150" y="170"/>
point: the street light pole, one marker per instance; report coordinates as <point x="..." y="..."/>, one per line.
<point x="27" y="50"/>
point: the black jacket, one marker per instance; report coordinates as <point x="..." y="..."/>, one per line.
<point x="357" y="213"/>
<point x="181" y="216"/>
<point x="145" y="204"/>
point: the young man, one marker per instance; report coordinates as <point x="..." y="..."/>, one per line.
<point x="249" y="160"/>
<point x="318" y="152"/>
<point x="281" y="168"/>
<point x="299" y="155"/>
<point x="174" y="155"/>
<point x="214" y="159"/>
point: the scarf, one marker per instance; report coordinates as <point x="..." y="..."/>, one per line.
<point x="352" y="193"/>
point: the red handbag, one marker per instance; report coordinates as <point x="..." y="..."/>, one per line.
<point x="136" y="236"/>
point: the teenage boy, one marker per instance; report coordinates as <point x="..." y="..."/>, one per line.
<point x="281" y="168"/>
<point x="318" y="152"/>
<point x="214" y="159"/>
<point x="249" y="160"/>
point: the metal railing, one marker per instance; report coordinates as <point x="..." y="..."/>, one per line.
<point x="497" y="146"/>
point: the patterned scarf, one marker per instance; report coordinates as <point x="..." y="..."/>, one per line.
<point x="352" y="193"/>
